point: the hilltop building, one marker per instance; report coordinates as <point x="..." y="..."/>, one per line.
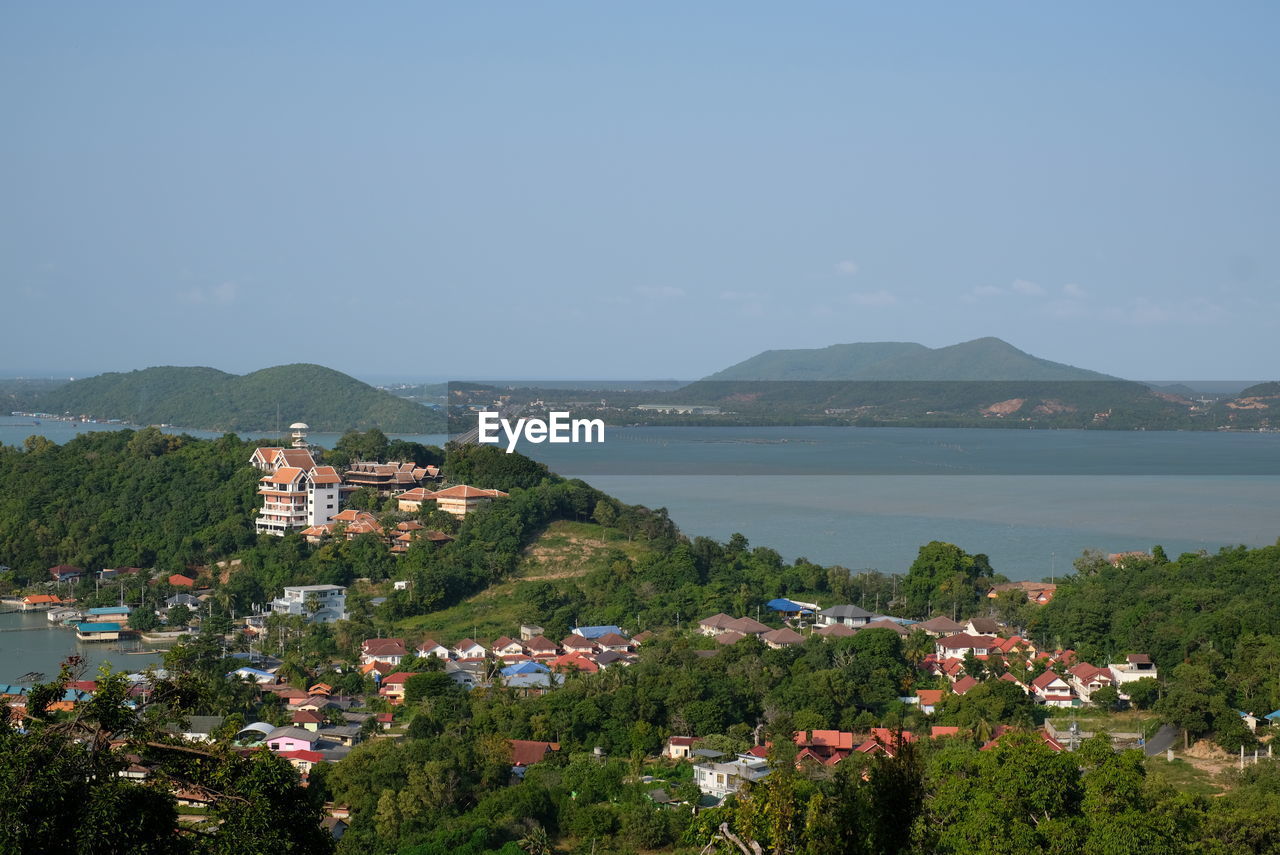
<point x="388" y="478"/>
<point x="317" y="603"/>
<point x="458" y="500"/>
<point x="296" y="493"/>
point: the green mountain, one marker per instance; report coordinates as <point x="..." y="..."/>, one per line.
<point x="980" y="359"/>
<point x="325" y="399"/>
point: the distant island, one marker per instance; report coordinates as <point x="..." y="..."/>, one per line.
<point x="986" y="382"/>
<point x="978" y="360"/>
<point x="206" y="398"/>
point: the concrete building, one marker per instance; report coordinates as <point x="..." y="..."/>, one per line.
<point x="296" y="493"/>
<point x="721" y="779"/>
<point x="317" y="603"/>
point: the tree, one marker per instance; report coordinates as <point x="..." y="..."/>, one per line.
<point x="179" y="615"/>
<point x="1143" y="693"/>
<point x="944" y="577"/>
<point x="144" y="619"/>
<point x="60" y="792"/>
<point x="1106" y="698"/>
<point x="1090" y="563"/>
<point x="1188" y="701"/>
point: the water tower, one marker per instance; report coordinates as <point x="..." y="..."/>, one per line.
<point x="299" y="434"/>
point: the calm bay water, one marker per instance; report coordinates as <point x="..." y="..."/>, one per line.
<point x="28" y="642"/>
<point x="870" y="497"/>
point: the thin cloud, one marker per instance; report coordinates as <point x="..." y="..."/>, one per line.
<point x="222" y="294"/>
<point x="847" y="268"/>
<point x="873" y="299"/>
<point x="663" y="292"/>
<point x="749" y="303"/>
<point x="1074" y="291"/>
<point x="1018" y="288"/>
<point x="1145" y="312"/>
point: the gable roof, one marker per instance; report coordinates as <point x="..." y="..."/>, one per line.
<point x="1046" y="679"/>
<point x="836" y="739"/>
<point x="964" y="684"/>
<point x="526" y="752"/>
<point x="468" y="643"/>
<point x="986" y="626"/>
<point x="378" y="647"/>
<point x="836" y="630"/>
<point x="930" y="697"/>
<point x="304" y="755"/>
<point x="396" y="679"/>
<point x="846" y="611"/>
<point x="595" y="632"/>
<point x="293" y="733"/>
<point x="782" y="636"/>
<point x="747" y="626"/>
<point x="464" y="491"/>
<point x="964" y="641"/>
<point x="325" y="475"/>
<point x="941" y="624"/>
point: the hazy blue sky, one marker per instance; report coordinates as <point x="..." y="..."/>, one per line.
<point x="636" y="190"/>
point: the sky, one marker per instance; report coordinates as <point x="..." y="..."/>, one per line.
<point x="591" y="190"/>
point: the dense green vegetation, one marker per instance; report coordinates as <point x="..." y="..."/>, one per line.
<point x="124" y="498"/>
<point x="206" y="398"/>
<point x="1209" y="620"/>
<point x="60" y="791"/>
<point x="446" y="788"/>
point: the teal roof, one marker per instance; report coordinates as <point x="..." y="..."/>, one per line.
<point x="97" y="627"/>
<point x="110" y="610"/>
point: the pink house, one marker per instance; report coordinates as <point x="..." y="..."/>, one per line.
<point x="291" y="739"/>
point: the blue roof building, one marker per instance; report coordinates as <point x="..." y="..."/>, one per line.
<point x="597" y="631"/>
<point x="785" y="606"/>
<point x="98" y="627"/>
<point x="109" y="610"/>
<point x="525" y="668"/>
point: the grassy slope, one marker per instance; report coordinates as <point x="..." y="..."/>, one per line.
<point x="563" y="552"/>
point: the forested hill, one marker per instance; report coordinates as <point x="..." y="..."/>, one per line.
<point x="325" y="399"/>
<point x="981" y="359"/>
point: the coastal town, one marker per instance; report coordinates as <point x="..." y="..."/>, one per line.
<point x="976" y="676"/>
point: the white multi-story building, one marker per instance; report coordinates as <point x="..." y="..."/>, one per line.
<point x="317" y="603"/>
<point x="296" y="493"/>
<point x="721" y="779"/>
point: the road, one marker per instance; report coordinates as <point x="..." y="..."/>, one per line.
<point x="1162" y="741"/>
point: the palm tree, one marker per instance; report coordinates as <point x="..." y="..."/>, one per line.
<point x="536" y="842"/>
<point x="916" y="646"/>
